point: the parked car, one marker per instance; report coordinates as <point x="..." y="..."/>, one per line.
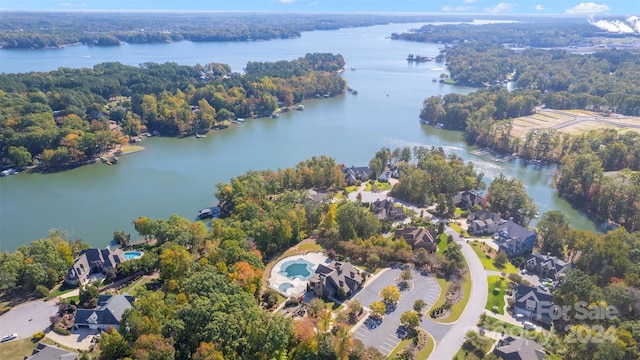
<point x="529" y="326"/>
<point x="9" y="337"/>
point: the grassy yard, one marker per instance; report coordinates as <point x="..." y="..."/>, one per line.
<point x="486" y="254"/>
<point x="457" y="308"/>
<point x="57" y="291"/>
<point x="399" y="348"/>
<point x="496" y="298"/>
<point x="423" y="354"/>
<point x="350" y="189"/>
<point x="458" y="229"/>
<point x="492" y="324"/>
<point x="463" y="354"/>
<point x="442" y="243"/>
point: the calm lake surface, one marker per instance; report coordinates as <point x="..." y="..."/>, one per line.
<point x="179" y="175"/>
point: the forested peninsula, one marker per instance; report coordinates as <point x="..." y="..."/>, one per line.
<point x="601" y="161"/>
<point x="37" y="30"/>
<point x="63" y="117"/>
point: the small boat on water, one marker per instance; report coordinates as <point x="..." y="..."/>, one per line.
<point x="238" y="121"/>
<point x="300" y="107"/>
<point x="274" y="115"/>
<point x="209" y="212"/>
<point x="198" y="136"/>
<point x="7" y="172"/>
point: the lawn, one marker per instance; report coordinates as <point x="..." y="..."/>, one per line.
<point x="350" y="189"/>
<point x="492" y="324"/>
<point x="458" y="229"/>
<point x="57" y="291"/>
<point x="423" y="354"/>
<point x="457" y="308"/>
<point x="463" y="354"/>
<point x="486" y="255"/>
<point x="442" y="243"/>
<point x="496" y="298"/>
<point x="18" y="349"/>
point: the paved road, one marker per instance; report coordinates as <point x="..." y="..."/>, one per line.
<point x="27" y="319"/>
<point x="449" y="344"/>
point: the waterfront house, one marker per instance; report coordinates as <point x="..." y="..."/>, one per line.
<point x="418" y="237"/>
<point x="50" y="352"/>
<point x="355" y="174"/>
<point x="91" y="261"/>
<point x="514" y="239"/>
<point x="467" y="199"/>
<point x="547" y="266"/>
<point x="385" y="210"/>
<point x="533" y="303"/>
<point x="107" y="314"/>
<point x="483" y="222"/>
<point x="514" y="348"/>
<point x="334" y="280"/>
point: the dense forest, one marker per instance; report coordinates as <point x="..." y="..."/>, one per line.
<point x="529" y="32"/>
<point x="54" y="29"/>
<point x="208" y="301"/>
<point x="62" y="117"/>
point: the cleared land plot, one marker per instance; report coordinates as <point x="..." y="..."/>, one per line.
<point x="572" y="122"/>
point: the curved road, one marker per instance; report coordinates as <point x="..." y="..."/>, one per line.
<point x="448" y="346"/>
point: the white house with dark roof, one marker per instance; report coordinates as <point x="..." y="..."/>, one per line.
<point x="547" y="265"/>
<point x="107" y="314"/>
<point x="514" y="348"/>
<point x="336" y="275"/>
<point x="91" y="261"/>
<point x="484" y="222"/>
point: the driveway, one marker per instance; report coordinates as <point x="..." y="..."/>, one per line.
<point x="385" y="337"/>
<point x="27" y="319"/>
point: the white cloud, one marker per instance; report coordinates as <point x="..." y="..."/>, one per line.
<point x="469" y="1"/>
<point x="456" y="8"/>
<point x="65" y="4"/>
<point x="285" y="1"/>
<point x="587" y="8"/>
<point x="539" y="7"/>
<point x="502" y="7"/>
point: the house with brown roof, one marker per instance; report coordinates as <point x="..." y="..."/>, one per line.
<point x="335" y="280"/>
<point x="91" y="261"/>
<point x="514" y="348"/>
<point x="386" y="210"/>
<point x="418" y="237"/>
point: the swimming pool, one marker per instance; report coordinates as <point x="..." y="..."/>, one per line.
<point x="297" y="269"/>
<point x="129" y="255"/>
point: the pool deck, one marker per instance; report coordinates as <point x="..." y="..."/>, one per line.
<point x="299" y="286"/>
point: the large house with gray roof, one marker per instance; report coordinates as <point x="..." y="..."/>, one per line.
<point x="354" y="174"/>
<point x="386" y="210"/>
<point x="50" y="352"/>
<point x="547" y="266"/>
<point x="107" y="314"/>
<point x="484" y="222"/>
<point x="91" y="261"/>
<point x="533" y="303"/>
<point x="418" y="237"/>
<point x="514" y="348"/>
<point x="514" y="239"/>
<point x="335" y="280"/>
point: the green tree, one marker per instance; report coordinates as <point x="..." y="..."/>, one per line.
<point x="19" y="156"/>
<point x="378" y="309"/>
<point x="419" y="305"/>
<point x="509" y="198"/>
<point x="410" y="319"/>
<point x="121" y="238"/>
<point x="553" y="227"/>
<point x="390" y="294"/>
<point x="113" y="346"/>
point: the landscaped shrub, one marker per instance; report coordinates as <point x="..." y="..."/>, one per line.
<point x="41" y="291"/>
<point x="61" y="331"/>
<point x="39" y="335"/>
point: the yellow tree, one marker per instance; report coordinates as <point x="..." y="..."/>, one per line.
<point x="390" y="294"/>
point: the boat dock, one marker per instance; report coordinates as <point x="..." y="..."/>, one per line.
<point x="480" y="152"/>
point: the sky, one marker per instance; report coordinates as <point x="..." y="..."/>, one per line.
<point x="504" y="7"/>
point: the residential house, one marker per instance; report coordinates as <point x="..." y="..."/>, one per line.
<point x="514" y="348"/>
<point x="514" y="239"/>
<point x="50" y="352"/>
<point x="547" y="266"/>
<point x="329" y="279"/>
<point x="390" y="173"/>
<point x="385" y="210"/>
<point x="418" y="237"/>
<point x="533" y="303"/>
<point x="92" y="261"/>
<point x="107" y="314"/>
<point x="483" y="222"/>
<point x="467" y="199"/>
<point x="316" y="196"/>
<point x="355" y="174"/>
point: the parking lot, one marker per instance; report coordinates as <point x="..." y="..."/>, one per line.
<point x="388" y="334"/>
